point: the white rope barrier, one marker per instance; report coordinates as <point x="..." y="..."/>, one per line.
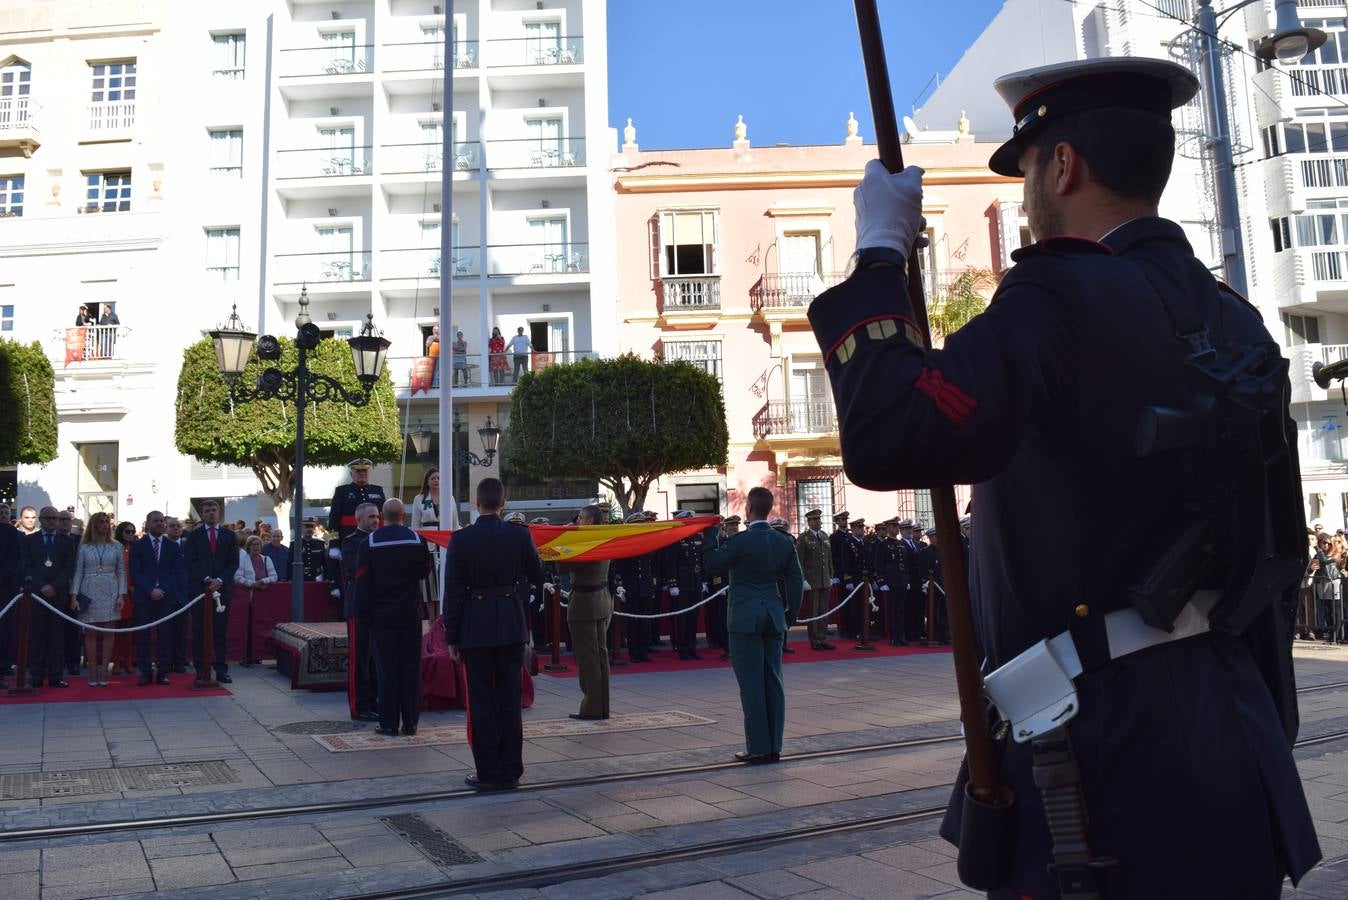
<point x="834" y="609"/>
<point x="674" y="612"/>
<point x="10" y="604"/>
<point x="177" y="612"/>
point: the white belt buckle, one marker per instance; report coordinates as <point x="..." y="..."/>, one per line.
<point x="1035" y="690"/>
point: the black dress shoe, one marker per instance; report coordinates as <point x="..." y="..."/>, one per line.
<point x="162" y="678"/>
<point x="58" y="683"/>
<point x="145" y="679"/>
<point x="366" y="716"/>
<point x="788" y="649"/>
<point x="585" y="718"/>
<point x="179" y="669"/>
<point x="386" y="732"/>
<point x="478" y="785"/>
<point x="410" y="732"/>
<point x="693" y="654"/>
<point x="222" y="678"/>
<point x="753" y="759"/>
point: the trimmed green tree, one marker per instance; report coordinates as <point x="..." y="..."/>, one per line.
<point x="621" y="422"/>
<point x="27" y="404"/>
<point x="956" y="304"/>
<point x="260" y="435"/>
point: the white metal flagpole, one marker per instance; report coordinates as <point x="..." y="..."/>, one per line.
<point x="449" y="508"/>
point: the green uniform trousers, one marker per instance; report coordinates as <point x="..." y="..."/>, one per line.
<point x="757" y="661"/>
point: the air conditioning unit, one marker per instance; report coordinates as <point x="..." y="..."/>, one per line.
<point x="435" y="107"/>
<point x="332" y="210"/>
<point x="435" y="207"/>
<point x="334" y="111"/>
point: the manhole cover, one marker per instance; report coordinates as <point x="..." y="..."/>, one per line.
<point x="329" y="727"/>
<point x="434" y="844"/>
<point x="82" y="782"/>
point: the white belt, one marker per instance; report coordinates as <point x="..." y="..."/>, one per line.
<point x="1035" y="691"/>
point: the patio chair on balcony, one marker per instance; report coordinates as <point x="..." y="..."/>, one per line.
<point x="567" y="54"/>
<point x="337" y="270"/>
<point x="338" y="166"/>
<point x="576" y="261"/>
<point x="461" y="264"/>
<point x="569" y="158"/>
<point x="463" y="159"/>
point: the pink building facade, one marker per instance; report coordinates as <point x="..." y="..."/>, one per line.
<point x="720" y="252"/>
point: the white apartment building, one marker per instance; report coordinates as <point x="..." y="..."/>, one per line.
<point x="270" y="149"/>
<point x="1290" y="135"/>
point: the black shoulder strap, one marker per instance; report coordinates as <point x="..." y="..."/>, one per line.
<point x="1181" y="304"/>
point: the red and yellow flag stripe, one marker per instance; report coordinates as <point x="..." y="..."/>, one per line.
<point x="588" y="543"/>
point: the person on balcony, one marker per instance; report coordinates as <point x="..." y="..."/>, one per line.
<point x="84" y="317"/>
<point x="519" y="350"/>
<point x="460" y="351"/>
<point x="497" y="360"/>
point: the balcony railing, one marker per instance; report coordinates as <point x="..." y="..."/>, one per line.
<point x="538" y="259"/>
<point x="536" y="153"/>
<point x="427" y="56"/>
<point x="17" y="113"/>
<point x="1309" y="81"/>
<point x="117" y="115"/>
<point x="535" y="51"/>
<point x="690" y="293"/>
<point x="424" y="262"/>
<point x="803" y="417"/>
<point x="405" y="159"/>
<point x="1331" y="265"/>
<point x="323" y="162"/>
<point x="89" y="343"/>
<point x="791" y="290"/>
<point x="334" y="59"/>
<point x="467" y="370"/>
<point x="1324" y="171"/>
<point x="337" y="265"/>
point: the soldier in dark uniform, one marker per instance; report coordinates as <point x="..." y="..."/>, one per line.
<point x="684" y="571"/>
<point x="640" y="581"/>
<point x="938" y="627"/>
<point x="313" y="552"/>
<point x="778" y="524"/>
<point x="389" y="569"/>
<point x="345" y="499"/>
<point x="715" y="614"/>
<point x="538" y="599"/>
<point x="485" y="627"/>
<point x="1184" y="748"/>
<point x="842" y="571"/>
<point x="362" y="682"/>
<point x="855" y="570"/>
<point x="891" y="580"/>
<point x="914" y="600"/>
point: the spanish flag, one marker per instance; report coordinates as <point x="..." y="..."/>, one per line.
<point x="588" y="543"/>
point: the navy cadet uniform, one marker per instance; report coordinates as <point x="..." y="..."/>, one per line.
<point x="484" y="618"/>
<point x="837" y="544"/>
<point x="345" y="499"/>
<point x="314" y="555"/>
<point x="389" y="569"/>
<point x="778" y="524"/>
<point x="1184" y="760"/>
<point x="891" y="579"/>
<point x="683" y="571"/>
<point x="362" y="682"/>
<point x="938" y="627"/>
<point x="716" y="609"/>
<point x="854" y="571"/>
<point x="641" y="584"/>
<point x="537" y="607"/>
<point x="914" y="600"/>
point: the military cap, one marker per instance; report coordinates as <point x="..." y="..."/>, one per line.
<point x="815" y="514"/>
<point x="930" y="531"/>
<point x="1048" y="93"/>
<point x="777" y="522"/>
<point x="540" y="520"/>
<point x="905" y="523"/>
<point x="360" y="464"/>
<point x="731" y="520"/>
<point x="651" y="515"/>
<point x="516" y="518"/>
<point x="683" y="513"/>
<point x="840" y="517"/>
<point x="859" y="522"/>
<point x="311" y="522"/>
<point x="632" y="518"/>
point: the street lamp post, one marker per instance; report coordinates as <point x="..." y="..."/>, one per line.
<point x="1289" y="42"/>
<point x="234" y="346"/>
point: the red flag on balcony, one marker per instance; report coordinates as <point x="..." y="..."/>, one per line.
<point x="588" y="543"/>
<point x="423" y="374"/>
<point x="74" y="345"/>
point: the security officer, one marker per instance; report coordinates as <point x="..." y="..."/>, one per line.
<point x="778" y="524"/>
<point x="641" y="584"/>
<point x="345" y="499"/>
<point x="816" y="562"/>
<point x="1183" y="754"/>
<point x="389" y="569"/>
<point x="486" y="628"/>
<point x="891" y="579"/>
<point x="362" y="682"/>
<point x="684" y="571"/>
<point x="716" y="609"/>
<point x="842" y="571"/>
<point x="313" y="553"/>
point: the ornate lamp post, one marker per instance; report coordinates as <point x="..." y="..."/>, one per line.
<point x="490" y="435"/>
<point x="233" y="347"/>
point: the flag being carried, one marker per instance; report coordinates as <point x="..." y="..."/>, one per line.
<point x="587" y="543"/>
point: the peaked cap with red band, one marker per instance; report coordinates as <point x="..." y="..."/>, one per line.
<point x="1047" y="93"/>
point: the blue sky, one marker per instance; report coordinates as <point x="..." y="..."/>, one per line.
<point x="684" y="70"/>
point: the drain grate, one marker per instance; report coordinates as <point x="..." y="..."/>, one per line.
<point x="321" y="727"/>
<point x="434" y="844"/>
<point x="81" y="782"/>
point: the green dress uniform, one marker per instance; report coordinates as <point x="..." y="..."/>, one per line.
<point x="754" y="561"/>
<point x="816" y="563"/>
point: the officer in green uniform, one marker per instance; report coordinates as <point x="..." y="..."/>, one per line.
<point x="756" y="620"/>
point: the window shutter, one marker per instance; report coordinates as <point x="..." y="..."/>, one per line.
<point x="653" y="230"/>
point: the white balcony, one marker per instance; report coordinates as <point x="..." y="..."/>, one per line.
<point x="18" y="124"/>
<point x="110" y="119"/>
<point x="1312" y="275"/>
<point x="1271" y="98"/>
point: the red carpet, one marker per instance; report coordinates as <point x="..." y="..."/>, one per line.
<point x="668" y="660"/>
<point x="120" y="687"/>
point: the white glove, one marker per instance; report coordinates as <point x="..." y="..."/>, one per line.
<point x="805" y="586"/>
<point x="924" y="587"/>
<point x="888" y="207"/>
<point x="334" y="592"/>
<point x="833" y="581"/>
<point x="547" y="587"/>
<point x="622" y="593"/>
<point x="884" y="587"/>
<point x="704" y="587"/>
<point x="318" y="578"/>
<point x="334" y="553"/>
<point x="849" y="586"/>
<point x="674" y="591"/>
<point x="531" y="600"/>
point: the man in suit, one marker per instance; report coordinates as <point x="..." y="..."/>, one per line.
<point x="210" y="555"/>
<point x="362" y="684"/>
<point x="389" y="568"/>
<point x="10" y="542"/>
<point x="816" y="564"/>
<point x="756" y="621"/>
<point x="48" y="558"/>
<point x="486" y="628"/>
<point x="588" y="613"/>
<point x="173" y="532"/>
<point x="158" y="580"/>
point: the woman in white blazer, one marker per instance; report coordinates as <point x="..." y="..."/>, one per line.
<point x="255" y="570"/>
